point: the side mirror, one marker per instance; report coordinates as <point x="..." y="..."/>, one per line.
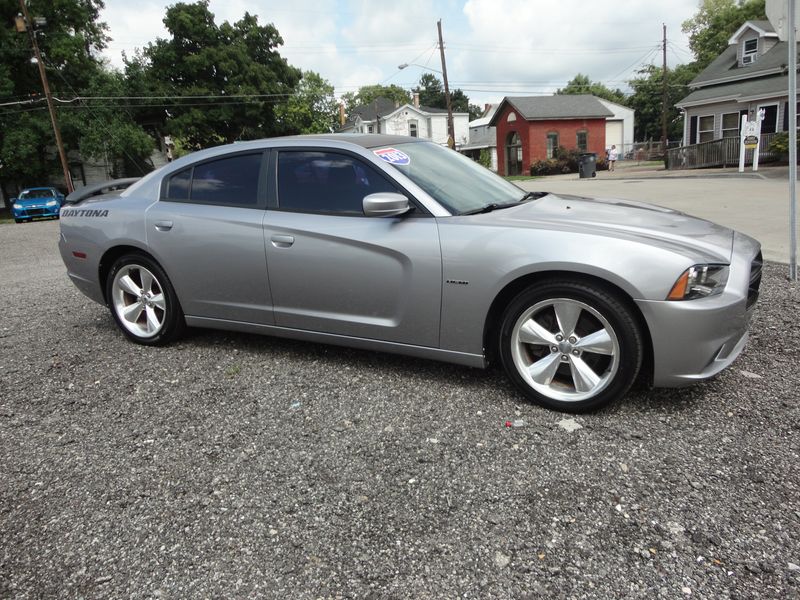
<point x="385" y="204"/>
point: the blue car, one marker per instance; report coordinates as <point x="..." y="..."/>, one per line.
<point x="36" y="202"/>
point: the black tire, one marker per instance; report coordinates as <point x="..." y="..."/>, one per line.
<point x="613" y="353"/>
<point x="157" y="300"/>
<point x="18" y="220"/>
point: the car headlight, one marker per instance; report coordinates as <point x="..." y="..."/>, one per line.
<point x="17" y="205"/>
<point x="700" y="281"/>
<point x="52" y="203"/>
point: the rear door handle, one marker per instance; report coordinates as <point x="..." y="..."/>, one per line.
<point x="282" y="241"/>
<point x="163" y="225"/>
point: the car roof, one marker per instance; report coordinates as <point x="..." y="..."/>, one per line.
<point x="37" y="188"/>
<point x="365" y="140"/>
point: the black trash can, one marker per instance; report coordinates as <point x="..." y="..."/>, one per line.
<point x="587" y="165"/>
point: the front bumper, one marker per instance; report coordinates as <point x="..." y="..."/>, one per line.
<point x="34" y="212"/>
<point x="696" y="339"/>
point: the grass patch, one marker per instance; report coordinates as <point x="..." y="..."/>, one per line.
<point x="520" y="178"/>
<point x="233" y="370"/>
<point x="4" y="220"/>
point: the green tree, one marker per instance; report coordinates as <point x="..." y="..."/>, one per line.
<point x="70" y="41"/>
<point x="582" y="84"/>
<point x="711" y="27"/>
<point x="646" y="100"/>
<point x="106" y="129"/>
<point x="370" y="93"/>
<point x="431" y="93"/>
<point x="312" y="108"/>
<point x="207" y="61"/>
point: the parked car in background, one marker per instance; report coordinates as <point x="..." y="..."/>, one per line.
<point x="395" y="244"/>
<point x="38" y="202"/>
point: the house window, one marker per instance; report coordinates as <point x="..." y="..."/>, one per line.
<point x="370" y="129"/>
<point x="412" y="128"/>
<point x="705" y="129"/>
<point x="730" y="124"/>
<point x="749" y="51"/>
<point x="552" y="145"/>
<point x="582" y="141"/>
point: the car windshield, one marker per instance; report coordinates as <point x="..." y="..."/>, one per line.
<point x="456" y="182"/>
<point x="28" y="194"/>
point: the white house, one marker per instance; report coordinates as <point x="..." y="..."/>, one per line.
<point x="619" y="128"/>
<point x="748" y="77"/>
<point x="385" y="116"/>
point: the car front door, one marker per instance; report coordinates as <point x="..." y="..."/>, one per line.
<point x="206" y="231"/>
<point x="332" y="269"/>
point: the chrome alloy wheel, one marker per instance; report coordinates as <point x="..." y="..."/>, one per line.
<point x="565" y="349"/>
<point x="138" y="300"/>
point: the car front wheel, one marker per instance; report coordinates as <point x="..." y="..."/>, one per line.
<point x="570" y="346"/>
<point x="143" y="301"/>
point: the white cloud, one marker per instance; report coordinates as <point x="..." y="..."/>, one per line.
<point x="494" y="47"/>
<point x="538" y="47"/>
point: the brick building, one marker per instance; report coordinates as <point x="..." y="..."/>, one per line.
<point x="532" y="128"/>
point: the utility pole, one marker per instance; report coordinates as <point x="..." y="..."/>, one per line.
<point x="664" y="96"/>
<point x="451" y="133"/>
<point x="792" y="141"/>
<point x="48" y="96"/>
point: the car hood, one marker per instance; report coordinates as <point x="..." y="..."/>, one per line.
<point x="653" y="225"/>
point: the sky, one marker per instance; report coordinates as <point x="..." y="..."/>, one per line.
<point x="494" y="48"/>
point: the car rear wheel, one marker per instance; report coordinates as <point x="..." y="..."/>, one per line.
<point x="570" y="346"/>
<point x="143" y="301"/>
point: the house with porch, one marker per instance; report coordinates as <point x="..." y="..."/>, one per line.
<point x="531" y="128"/>
<point x="749" y="78"/>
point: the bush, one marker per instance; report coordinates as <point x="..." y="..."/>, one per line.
<point x="485" y="158"/>
<point x="565" y="161"/>
<point x="780" y="143"/>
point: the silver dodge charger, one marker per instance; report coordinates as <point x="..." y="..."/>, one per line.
<point x="399" y="245"/>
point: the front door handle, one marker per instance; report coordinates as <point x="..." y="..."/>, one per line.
<point x="163" y="225"/>
<point x="282" y="241"/>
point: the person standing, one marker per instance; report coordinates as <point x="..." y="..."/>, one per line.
<point x="612" y="157"/>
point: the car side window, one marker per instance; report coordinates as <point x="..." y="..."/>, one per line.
<point x="178" y="185"/>
<point x="232" y="180"/>
<point x="326" y="182"/>
<point x="229" y="181"/>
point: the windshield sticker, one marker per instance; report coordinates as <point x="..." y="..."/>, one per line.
<point x="393" y="156"/>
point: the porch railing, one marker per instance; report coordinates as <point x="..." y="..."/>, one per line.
<point x="717" y="153"/>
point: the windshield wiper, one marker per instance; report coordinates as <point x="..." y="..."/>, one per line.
<point x="495" y="205"/>
<point x="488" y="208"/>
<point x="533" y="196"/>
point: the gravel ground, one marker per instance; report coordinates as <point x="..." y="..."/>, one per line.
<point x="232" y="465"/>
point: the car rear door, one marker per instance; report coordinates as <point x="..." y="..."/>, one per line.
<point x="206" y="231"/>
<point x="333" y="269"/>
